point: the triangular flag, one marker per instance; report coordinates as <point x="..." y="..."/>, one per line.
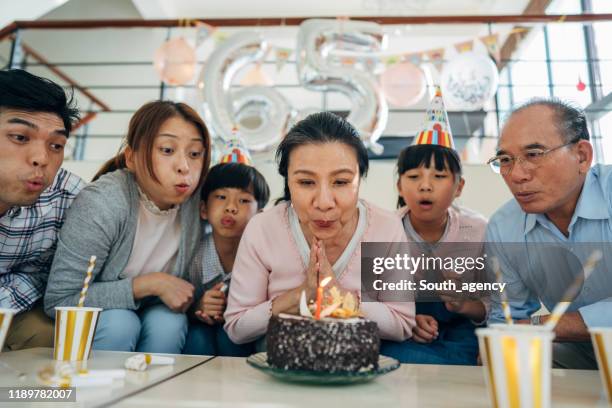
<point x="414" y="58"/>
<point x="256" y="76"/>
<point x="219" y="36"/>
<point x="464" y="46"/>
<point x="492" y="44"/>
<point x="203" y="31"/>
<point x="436" y="57"/>
<point x="391" y="60"/>
<point x="436" y="128"/>
<point x="282" y="56"/>
<point x="348" y="61"/>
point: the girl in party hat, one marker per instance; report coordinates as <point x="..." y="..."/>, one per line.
<point x="234" y="191"/>
<point x="430" y="179"/>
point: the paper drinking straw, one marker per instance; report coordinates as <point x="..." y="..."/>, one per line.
<point x="92" y="264"/>
<point x="504" y="298"/>
<point x="572" y="291"/>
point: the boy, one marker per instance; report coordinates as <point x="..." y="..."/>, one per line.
<point x="232" y="194"/>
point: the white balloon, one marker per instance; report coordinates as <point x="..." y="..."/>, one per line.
<point x="317" y="38"/>
<point x="468" y="81"/>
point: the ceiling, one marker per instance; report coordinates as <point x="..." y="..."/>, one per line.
<point x="11" y="10"/>
<point x="157" y="9"/>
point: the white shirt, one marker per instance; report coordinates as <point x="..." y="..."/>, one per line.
<point x="156" y="242"/>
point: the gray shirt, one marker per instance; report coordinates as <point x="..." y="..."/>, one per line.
<point x="102" y="222"/>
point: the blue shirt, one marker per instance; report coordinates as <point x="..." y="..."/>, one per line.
<point x="28" y="238"/>
<point x="523" y="269"/>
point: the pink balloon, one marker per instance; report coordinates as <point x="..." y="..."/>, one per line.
<point x="175" y="61"/>
<point x="403" y="84"/>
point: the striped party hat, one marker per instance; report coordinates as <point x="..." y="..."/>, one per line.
<point x="235" y="151"/>
<point x="436" y="129"/>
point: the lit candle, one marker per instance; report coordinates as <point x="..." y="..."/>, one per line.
<point x="320" y="297"/>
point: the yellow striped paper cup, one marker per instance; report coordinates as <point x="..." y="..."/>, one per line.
<point x="6" y="317"/>
<point x="74" y="332"/>
<point x="517" y="361"/>
<point x="602" y="343"/>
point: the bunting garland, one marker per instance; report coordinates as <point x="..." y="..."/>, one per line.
<point x="435" y="56"/>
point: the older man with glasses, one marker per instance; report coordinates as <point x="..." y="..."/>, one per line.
<point x="560" y="214"/>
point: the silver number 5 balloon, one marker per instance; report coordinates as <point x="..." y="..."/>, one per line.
<point x="316" y="38"/>
<point x="261" y="112"/>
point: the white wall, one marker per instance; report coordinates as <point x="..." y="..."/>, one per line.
<point x="484" y="191"/>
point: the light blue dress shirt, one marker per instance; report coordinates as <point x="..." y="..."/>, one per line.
<point x="536" y="272"/>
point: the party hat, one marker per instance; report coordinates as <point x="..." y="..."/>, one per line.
<point x="436" y="129"/>
<point x="235" y="150"/>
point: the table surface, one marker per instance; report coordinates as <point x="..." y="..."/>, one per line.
<point x="30" y="361"/>
<point x="230" y="382"/>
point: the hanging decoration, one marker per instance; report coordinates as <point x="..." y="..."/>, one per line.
<point x="175" y="61"/>
<point x="261" y="112"/>
<point x="580" y="86"/>
<point x="203" y="31"/>
<point x="436" y="57"/>
<point x="282" y="56"/>
<point x="403" y="84"/>
<point x="468" y="81"/>
<point x="464" y="46"/>
<point x="492" y="44"/>
<point x="316" y="39"/>
<point x="256" y="76"/>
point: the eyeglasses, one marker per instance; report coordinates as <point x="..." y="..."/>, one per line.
<point x="531" y="159"/>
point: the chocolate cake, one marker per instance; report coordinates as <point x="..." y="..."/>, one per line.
<point x="328" y="345"/>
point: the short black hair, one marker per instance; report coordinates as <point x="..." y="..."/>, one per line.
<point x="21" y="90"/>
<point x="416" y="156"/>
<point x="570" y="119"/>
<point x="321" y="127"/>
<point x="237" y="175"/>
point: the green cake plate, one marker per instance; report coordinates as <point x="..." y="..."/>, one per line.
<point x="260" y="362"/>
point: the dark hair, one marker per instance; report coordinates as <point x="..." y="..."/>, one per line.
<point x="237" y="175"/>
<point x="322" y="127"/>
<point x="21" y="90"/>
<point x="416" y="156"/>
<point x="569" y="119"/>
<point x="144" y="127"/>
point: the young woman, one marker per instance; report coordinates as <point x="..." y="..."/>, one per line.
<point x="140" y="219"/>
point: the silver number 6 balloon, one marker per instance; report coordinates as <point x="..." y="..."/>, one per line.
<point x="316" y="38"/>
<point x="261" y="112"/>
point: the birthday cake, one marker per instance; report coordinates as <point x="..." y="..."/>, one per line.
<point x="335" y="340"/>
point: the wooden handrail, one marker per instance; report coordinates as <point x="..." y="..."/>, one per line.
<point x="290" y="21"/>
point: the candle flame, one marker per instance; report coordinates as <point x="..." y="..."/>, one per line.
<point x="325" y="281"/>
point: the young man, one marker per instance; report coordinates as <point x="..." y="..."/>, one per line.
<point x="36" y="118"/>
<point x="561" y="213"/>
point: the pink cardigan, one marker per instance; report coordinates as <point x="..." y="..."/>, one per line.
<point x="268" y="264"/>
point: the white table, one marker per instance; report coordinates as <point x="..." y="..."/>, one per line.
<point x="230" y="382"/>
<point x="31" y="360"/>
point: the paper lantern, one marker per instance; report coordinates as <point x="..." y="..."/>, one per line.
<point x="403" y="84"/>
<point x="468" y="81"/>
<point x="175" y="61"/>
